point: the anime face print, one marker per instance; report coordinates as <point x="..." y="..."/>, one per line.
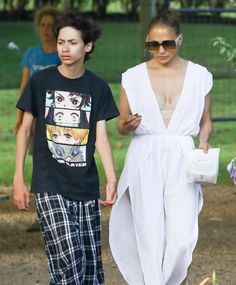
<point x="63" y="117"/>
<point x="73" y="156"/>
<point x="67" y="117"/>
<point x="67" y="135"/>
<point x="68" y="100"/>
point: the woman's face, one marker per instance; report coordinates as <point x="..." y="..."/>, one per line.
<point x="163" y="43"/>
<point x="45" y="28"/>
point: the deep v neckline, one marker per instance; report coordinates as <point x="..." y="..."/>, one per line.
<point x="153" y="95"/>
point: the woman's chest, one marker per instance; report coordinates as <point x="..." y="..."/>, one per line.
<point x="167" y="88"/>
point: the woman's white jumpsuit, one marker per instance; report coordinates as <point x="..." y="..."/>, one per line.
<point x="154" y="228"/>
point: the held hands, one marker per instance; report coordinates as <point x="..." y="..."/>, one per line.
<point x="21" y="196"/>
<point x="111" y="194"/>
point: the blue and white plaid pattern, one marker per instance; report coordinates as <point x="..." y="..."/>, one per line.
<point x="72" y="236"/>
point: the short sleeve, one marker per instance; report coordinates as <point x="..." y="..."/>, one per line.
<point x="123" y="80"/>
<point x="25" y="102"/>
<point x="107" y="107"/>
<point x="26" y="58"/>
<point x="208" y="82"/>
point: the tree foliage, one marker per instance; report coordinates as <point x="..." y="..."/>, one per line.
<point x="225" y="48"/>
<point x="99" y="7"/>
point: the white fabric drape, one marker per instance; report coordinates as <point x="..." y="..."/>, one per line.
<point x="154" y="226"/>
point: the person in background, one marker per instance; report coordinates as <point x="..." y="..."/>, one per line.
<point x="65" y="178"/>
<point x="42" y="55"/>
<point x="164" y="103"/>
<point x="38" y="57"/>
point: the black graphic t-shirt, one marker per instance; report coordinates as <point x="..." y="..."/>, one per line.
<point x="66" y="112"/>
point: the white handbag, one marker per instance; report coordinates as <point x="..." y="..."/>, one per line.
<point x="203" y="167"/>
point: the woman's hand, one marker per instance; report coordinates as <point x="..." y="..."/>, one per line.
<point x="131" y="122"/>
<point x="127" y="122"/>
<point x="204" y="146"/>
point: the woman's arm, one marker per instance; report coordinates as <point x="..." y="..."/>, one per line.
<point x="19" y="113"/>
<point x="127" y="122"/>
<point x="20" y="192"/>
<point x="104" y="150"/>
<point x="206" y="125"/>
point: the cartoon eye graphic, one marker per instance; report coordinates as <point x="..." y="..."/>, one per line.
<point x="75" y="117"/>
<point x="59" y="151"/>
<point x="74" y="151"/>
<point x="54" y="136"/>
<point x="59" y="116"/>
<point x="59" y="98"/>
<point x="75" y="101"/>
<point x="67" y="136"/>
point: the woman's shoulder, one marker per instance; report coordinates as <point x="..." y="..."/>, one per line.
<point x="134" y="69"/>
<point x="198" y="67"/>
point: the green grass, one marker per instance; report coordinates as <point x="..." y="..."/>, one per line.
<point x="223" y="137"/>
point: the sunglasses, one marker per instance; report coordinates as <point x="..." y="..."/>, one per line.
<point x="168" y="45"/>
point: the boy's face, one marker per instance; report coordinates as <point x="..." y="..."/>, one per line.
<point x="70" y="46"/>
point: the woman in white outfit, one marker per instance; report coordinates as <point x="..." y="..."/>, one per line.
<point x="164" y="102"/>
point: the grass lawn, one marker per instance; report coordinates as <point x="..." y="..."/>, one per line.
<point x="223" y="137"/>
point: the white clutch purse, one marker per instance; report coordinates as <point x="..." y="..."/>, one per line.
<point x="203" y="167"/>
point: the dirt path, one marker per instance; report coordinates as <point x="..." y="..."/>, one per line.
<point x="22" y="259"/>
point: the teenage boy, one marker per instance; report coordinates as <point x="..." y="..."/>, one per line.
<point x="65" y="178"/>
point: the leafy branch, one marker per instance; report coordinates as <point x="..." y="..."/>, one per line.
<point x="226" y="49"/>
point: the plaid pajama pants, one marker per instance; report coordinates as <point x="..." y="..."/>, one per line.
<point x="72" y="236"/>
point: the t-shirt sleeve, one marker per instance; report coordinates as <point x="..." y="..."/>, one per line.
<point x="26" y="58"/>
<point x="107" y="108"/>
<point x="26" y="102"/>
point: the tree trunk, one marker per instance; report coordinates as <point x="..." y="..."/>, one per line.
<point x="147" y="11"/>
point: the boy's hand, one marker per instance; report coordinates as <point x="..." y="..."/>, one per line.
<point x="21" y="196"/>
<point x="111" y="194"/>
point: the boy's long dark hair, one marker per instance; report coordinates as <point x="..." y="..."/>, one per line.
<point x="90" y="32"/>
